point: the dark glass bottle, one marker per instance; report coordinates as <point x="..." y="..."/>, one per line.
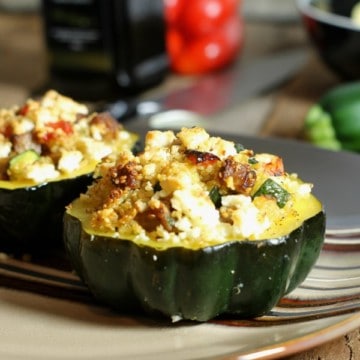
<point x="101" y="49"/>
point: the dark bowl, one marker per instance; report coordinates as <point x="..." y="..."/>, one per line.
<point x="334" y="34"/>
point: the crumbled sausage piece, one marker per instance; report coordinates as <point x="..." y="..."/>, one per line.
<point x="108" y="126"/>
<point x="275" y="167"/>
<point x="125" y="176"/>
<point x="153" y="216"/>
<point x="25" y="142"/>
<point x="237" y="176"/>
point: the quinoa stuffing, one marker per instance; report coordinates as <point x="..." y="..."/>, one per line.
<point x="55" y="137"/>
<point x="193" y="190"/>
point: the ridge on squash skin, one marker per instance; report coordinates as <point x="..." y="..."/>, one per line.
<point x="133" y="256"/>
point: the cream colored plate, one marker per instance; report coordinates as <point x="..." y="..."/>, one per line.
<point x="34" y="327"/>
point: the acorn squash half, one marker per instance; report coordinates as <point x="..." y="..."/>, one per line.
<point x="49" y="149"/>
<point x="194" y="227"/>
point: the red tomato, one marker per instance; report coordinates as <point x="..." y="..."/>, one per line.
<point x="175" y="42"/>
<point x="210" y="52"/>
<point x="200" y="17"/>
<point x="172" y="11"/>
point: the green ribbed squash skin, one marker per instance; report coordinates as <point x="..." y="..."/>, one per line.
<point x="245" y="278"/>
<point x="31" y="217"/>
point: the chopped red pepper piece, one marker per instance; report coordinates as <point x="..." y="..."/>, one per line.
<point x="60" y="127"/>
<point x="7" y="131"/>
<point x="23" y="110"/>
<point x="63" y="125"/>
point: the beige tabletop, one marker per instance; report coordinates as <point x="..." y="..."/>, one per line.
<point x="23" y="70"/>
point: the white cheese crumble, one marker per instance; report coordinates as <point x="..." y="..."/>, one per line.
<point x="93" y="149"/>
<point x="5" y="147"/>
<point x="245" y="215"/>
<point x="41" y="172"/>
<point x="22" y="126"/>
<point x="70" y="161"/>
<point x="197" y="206"/>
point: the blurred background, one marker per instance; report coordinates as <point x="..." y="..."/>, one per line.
<point x="24" y="56"/>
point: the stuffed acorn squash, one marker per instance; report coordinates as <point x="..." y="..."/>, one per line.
<point x="193" y="227"/>
<point x="48" y="151"/>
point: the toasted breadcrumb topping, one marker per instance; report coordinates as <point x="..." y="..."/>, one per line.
<point x="191" y="187"/>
